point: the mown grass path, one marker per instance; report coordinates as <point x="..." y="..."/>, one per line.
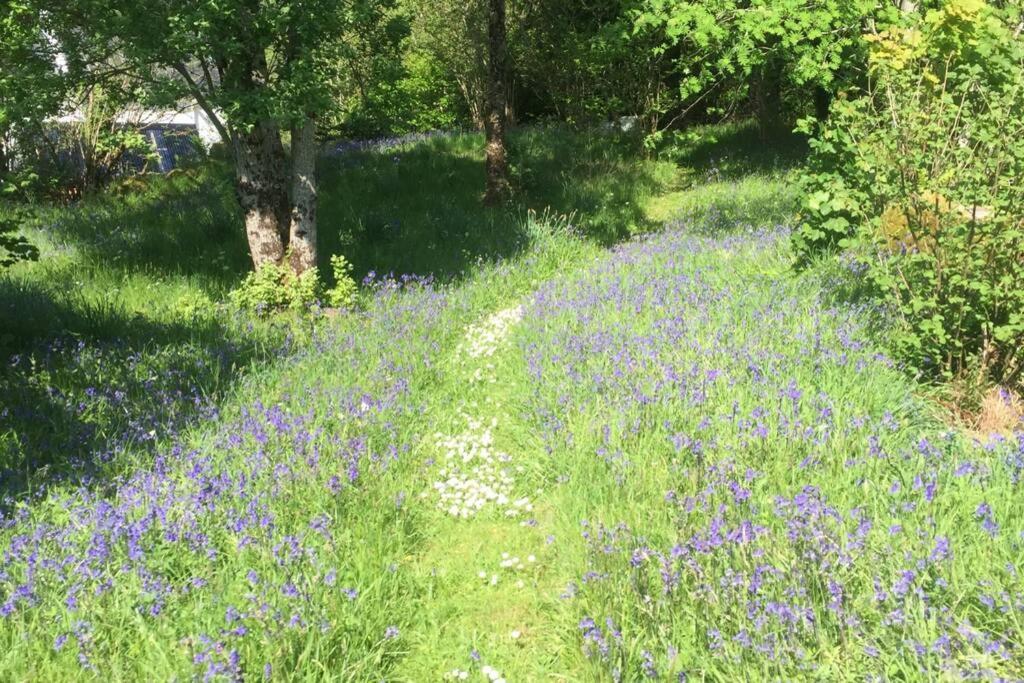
<point x="501" y="569"/>
<point x="488" y="570"/>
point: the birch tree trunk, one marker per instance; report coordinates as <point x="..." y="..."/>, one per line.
<point x="261" y="186"/>
<point x="302" y="233"/>
<point x="494" y="121"/>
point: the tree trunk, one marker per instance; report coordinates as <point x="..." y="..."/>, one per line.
<point x="761" y="106"/>
<point x="494" y="121"/>
<point x="302" y="235"/>
<point x="822" y="103"/>
<point x="510" y="102"/>
<point x="262" y="190"/>
<point x="767" y="92"/>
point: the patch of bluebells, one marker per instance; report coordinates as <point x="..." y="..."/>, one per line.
<point x="811" y="503"/>
<point x="232" y="549"/>
<point x="71" y="408"/>
<point x="387" y="142"/>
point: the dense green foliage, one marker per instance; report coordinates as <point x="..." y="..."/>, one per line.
<point x="274" y="288"/>
<point x="432" y="63"/>
<point x="368" y="68"/>
<point x="46" y="70"/>
<point x="769" y="53"/>
<point x="666" y="62"/>
<point x="920" y="176"/>
<point x="14" y="246"/>
<point x="30" y="90"/>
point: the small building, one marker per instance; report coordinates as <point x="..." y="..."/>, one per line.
<point x="174" y="135"/>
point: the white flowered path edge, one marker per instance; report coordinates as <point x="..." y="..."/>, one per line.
<point x="487" y="566"/>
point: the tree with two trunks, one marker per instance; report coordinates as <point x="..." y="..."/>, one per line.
<point x="261" y="70"/>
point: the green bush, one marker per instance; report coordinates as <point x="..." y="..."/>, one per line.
<point x="14" y="247"/>
<point x="343" y="294"/>
<point x="921" y="178"/>
<point x="275" y="288"/>
<point x="831" y="204"/>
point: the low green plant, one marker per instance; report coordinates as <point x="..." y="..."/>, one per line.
<point x="195" y="307"/>
<point x="14" y="247"/>
<point x="343" y="293"/>
<point x="921" y="179"/>
<point x="275" y="288"/>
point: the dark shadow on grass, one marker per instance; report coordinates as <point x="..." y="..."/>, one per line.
<point x="80" y="386"/>
<point x="413" y="209"/>
<point x="419" y="210"/>
<point x="31" y="314"/>
<point x="732" y="151"/>
<point x="183" y="224"/>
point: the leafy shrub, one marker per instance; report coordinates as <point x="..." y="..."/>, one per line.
<point x="832" y="203"/>
<point x="14" y="247"/>
<point x="921" y="177"/>
<point x="275" y="288"/>
<point x="343" y="294"/>
<point x="65" y="160"/>
<point x="194" y="306"/>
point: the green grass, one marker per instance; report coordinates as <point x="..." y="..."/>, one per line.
<point x="728" y="176"/>
<point x="143" y="269"/>
<point x="417" y="208"/>
<point x="283" y="408"/>
<point x="159" y="247"/>
<point x="375" y="542"/>
<point x="669" y="394"/>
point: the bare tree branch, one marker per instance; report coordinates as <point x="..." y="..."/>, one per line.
<point x="203" y="102"/>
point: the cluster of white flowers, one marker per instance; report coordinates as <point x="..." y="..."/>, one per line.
<point x="484" y="374"/>
<point x="475" y="475"/>
<point x="493" y="580"/>
<point x="489" y="672"/>
<point x="492" y="674"/>
<point x="484" y="338"/>
<point x="510" y="563"/>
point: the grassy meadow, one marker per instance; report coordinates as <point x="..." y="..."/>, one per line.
<point x="126" y="299"/>
<point x="606" y="432"/>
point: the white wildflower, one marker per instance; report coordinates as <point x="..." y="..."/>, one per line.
<point x="484" y="338"/>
